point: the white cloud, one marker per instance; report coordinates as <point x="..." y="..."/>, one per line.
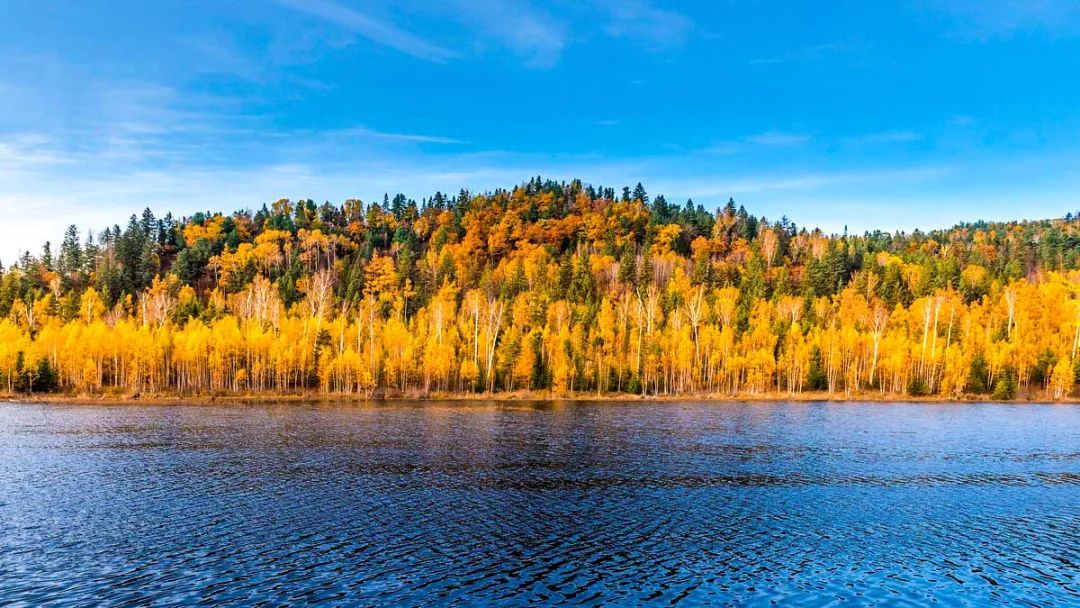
<point x="530" y="33"/>
<point x="378" y="31"/>
<point x="778" y="139"/>
<point x="537" y="36"/>
<point x="886" y="137"/>
<point x="797" y="181"/>
<point x="364" y="132"/>
<point x="645" y="24"/>
<point x="815" y="51"/>
<point x="985" y="19"/>
<point x="51" y="189"/>
<point x="54" y="188"/>
<point x="25" y="151"/>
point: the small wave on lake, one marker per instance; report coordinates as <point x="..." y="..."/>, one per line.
<point x="544" y="504"/>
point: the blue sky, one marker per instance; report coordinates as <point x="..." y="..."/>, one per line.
<point x="917" y="113"/>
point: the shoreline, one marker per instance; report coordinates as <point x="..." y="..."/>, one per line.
<point x="520" y="396"/>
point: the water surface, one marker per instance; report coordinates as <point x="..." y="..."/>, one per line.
<point x="511" y="503"/>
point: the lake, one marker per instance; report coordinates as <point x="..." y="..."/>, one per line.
<point x="540" y="503"/>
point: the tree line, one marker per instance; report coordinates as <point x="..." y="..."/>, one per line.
<point x="548" y="286"/>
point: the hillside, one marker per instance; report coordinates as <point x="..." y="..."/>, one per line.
<point x="547" y="286"/>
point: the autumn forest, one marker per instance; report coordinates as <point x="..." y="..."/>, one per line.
<point x="550" y="288"/>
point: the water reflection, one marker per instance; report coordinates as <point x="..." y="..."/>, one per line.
<point x="544" y="503"/>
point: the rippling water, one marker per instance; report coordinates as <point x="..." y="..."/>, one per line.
<point x="510" y="503"/>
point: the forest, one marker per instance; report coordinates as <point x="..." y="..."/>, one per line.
<point x="550" y="288"/>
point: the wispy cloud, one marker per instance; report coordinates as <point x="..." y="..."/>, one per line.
<point x="364" y="132"/>
<point x="806" y="181"/>
<point x="724" y="148"/>
<point x="528" y="32"/>
<point x="778" y="139"/>
<point x="532" y="34"/>
<point x="134" y="122"/>
<point x="38" y="177"/>
<point x="783" y="139"/>
<point x="639" y="21"/>
<point x="381" y="32"/>
<point x="26" y="151"/>
<point x="886" y="137"/>
<point x="816" y="52"/>
<point x="962" y="120"/>
<point x="983" y="20"/>
<point x="537" y="36"/>
<point x="767" y="139"/>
